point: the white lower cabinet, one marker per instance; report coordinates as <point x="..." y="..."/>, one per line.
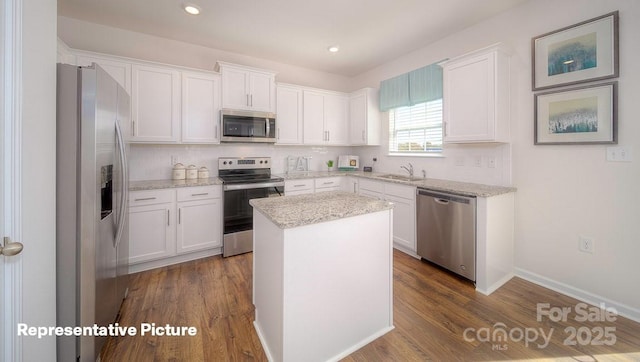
<point x="298" y="187"/>
<point x="199" y="219"/>
<point x="404" y="222"/>
<point x="172" y="226"/>
<point x="328" y="184"/>
<point x="404" y="211"/>
<point x="350" y="184"/>
<point x="152" y="227"/>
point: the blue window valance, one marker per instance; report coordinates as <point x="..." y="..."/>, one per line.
<point x="418" y="86"/>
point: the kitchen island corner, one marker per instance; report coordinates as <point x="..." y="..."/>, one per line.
<point x="323" y="272"/>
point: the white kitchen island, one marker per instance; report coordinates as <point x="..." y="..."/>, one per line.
<point x="322" y="274"/>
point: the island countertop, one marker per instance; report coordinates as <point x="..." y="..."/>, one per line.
<point x="300" y="210"/>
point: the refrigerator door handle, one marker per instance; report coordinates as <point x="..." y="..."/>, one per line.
<point x="125" y="189"/>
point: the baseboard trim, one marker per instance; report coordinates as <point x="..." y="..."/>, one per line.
<point x="582" y="295"/>
<point x="495" y="286"/>
<point x="406" y="251"/>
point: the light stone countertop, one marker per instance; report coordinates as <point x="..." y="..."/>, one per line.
<point x="294" y="211"/>
<point x="168" y="184"/>
<point x="462" y="188"/>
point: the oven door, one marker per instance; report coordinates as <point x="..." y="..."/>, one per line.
<point x="238" y="215"/>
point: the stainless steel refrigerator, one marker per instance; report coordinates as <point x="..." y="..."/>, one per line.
<point x="92" y="196"/>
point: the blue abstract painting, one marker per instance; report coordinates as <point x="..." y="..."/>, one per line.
<point x="573" y="54"/>
<point x="574" y="116"/>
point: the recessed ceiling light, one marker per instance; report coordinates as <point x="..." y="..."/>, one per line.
<point x="192" y="9"/>
<point x="333" y="49"/>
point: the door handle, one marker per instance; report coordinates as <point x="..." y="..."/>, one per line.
<point x="10" y="248"/>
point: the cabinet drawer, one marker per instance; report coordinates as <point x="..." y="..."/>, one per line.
<point x="298" y="185"/>
<point x="199" y="193"/>
<point x="402" y="191"/>
<point x="375" y="186"/>
<point x="327" y="182"/>
<point x="151" y="197"/>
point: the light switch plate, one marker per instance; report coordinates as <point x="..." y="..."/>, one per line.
<point x="620" y="154"/>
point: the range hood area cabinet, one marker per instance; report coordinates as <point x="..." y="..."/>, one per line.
<point x="246" y="88"/>
<point x="476" y="97"/>
<point x="169" y="104"/>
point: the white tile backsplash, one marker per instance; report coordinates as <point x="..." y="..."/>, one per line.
<point x="154" y="162"/>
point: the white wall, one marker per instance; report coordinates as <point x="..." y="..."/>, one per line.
<point x="563" y="191"/>
<point x="103" y="39"/>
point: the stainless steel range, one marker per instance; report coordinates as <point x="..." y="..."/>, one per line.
<point x="244" y="178"/>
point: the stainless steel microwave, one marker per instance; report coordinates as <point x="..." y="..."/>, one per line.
<point x="248" y="126"/>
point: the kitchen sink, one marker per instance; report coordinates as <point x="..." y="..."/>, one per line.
<point x="399" y="177"/>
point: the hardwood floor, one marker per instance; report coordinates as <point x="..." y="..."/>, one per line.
<point x="437" y="316"/>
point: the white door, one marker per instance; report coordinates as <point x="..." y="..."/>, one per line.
<point x="27" y="150"/>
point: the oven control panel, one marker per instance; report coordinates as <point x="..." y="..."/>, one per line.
<point x="238" y="163"/>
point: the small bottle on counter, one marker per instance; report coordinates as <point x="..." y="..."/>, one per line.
<point x="178" y="172"/>
<point x="192" y="172"/>
<point x="203" y="172"/>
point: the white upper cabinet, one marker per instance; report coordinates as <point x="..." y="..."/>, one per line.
<point x="476" y="97"/>
<point x="325" y="118"/>
<point x="336" y="119"/>
<point x="247" y="88"/>
<point x="364" y="117"/>
<point x="288" y="115"/>
<point x="118" y="70"/>
<point x="313" y="118"/>
<point x="200" y="108"/>
<point x="155" y="104"/>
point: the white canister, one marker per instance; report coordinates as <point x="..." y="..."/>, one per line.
<point x="192" y="172"/>
<point x="203" y="172"/>
<point x="178" y="172"/>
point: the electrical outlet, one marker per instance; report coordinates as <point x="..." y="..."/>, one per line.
<point x="491" y="162"/>
<point x="477" y="161"/>
<point x="586" y="244"/>
<point x="459" y="161"/>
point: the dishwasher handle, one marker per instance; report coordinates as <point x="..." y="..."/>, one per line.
<point x="445" y="198"/>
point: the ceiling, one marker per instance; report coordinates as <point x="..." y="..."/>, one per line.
<point x="297" y="32"/>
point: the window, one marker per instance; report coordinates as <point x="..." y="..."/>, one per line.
<point x="416" y="129"/>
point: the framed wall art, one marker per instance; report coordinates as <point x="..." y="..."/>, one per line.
<point x="583" y="52"/>
<point x="581" y="115"/>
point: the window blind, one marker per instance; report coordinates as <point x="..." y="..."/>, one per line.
<point x="394" y="92"/>
<point x="417" y="128"/>
<point x="418" y="86"/>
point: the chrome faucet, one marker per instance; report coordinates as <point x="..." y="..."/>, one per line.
<point x="409" y="169"/>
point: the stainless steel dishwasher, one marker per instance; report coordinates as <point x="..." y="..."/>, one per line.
<point x="447" y="231"/>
